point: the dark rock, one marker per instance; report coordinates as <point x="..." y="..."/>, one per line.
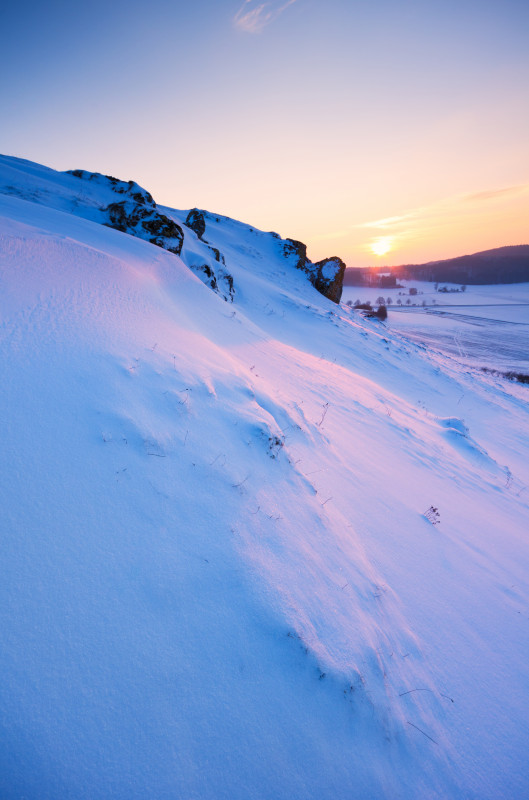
<point x="225" y="281"/>
<point x="146" y="223"/>
<point x="209" y="274"/>
<point x="295" y="252"/>
<point x="134" y="212"/>
<point x="229" y="280"/>
<point x="195" y="220"/>
<point x="124" y="215"/>
<point x="130" y="188"/>
<point x="218" y="255"/>
<point x="139" y="198"/>
<point x="163" y="226"/>
<point x="221" y="281"/>
<point x="328" y="277"/>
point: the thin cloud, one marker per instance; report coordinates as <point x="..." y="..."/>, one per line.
<point x="494" y="194"/>
<point x="254" y="17"/>
<point x="437" y="213"/>
<point x="418" y="226"/>
<point x="388" y="222"/>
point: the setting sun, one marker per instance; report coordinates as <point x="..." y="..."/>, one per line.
<point x="381" y="246"/>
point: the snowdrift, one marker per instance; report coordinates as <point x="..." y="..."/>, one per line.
<point x="251" y="549"/>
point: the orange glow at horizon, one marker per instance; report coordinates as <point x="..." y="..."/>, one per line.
<point x="456" y="225"/>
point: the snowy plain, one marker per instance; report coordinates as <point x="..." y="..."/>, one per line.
<point x="484" y="326"/>
<point x="221" y="573"/>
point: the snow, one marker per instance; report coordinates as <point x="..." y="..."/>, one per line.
<point x="485" y="326"/>
<point x="329" y="271"/>
<point x="218" y="575"/>
<point x="476" y="295"/>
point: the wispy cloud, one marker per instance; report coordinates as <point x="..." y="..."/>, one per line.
<point x="450" y="207"/>
<point x="253" y="17"/>
<point x="388" y="222"/>
<point x="495" y="194"/>
<point x="447" y="219"/>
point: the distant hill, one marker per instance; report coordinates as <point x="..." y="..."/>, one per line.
<point x="500" y="265"/>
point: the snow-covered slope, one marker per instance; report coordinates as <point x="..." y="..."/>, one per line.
<point x="131" y="209"/>
<point x="219" y="579"/>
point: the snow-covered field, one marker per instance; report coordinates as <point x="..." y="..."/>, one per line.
<point x="485" y="326"/>
<point x="267" y="549"/>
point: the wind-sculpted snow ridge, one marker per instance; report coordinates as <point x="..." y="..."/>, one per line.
<point x="265" y="549"/>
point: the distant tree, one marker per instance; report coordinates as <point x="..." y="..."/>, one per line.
<point x="463" y="288"/>
<point x="382" y="312"/>
<point x="389" y="301"/>
<point x="436" y="286"/>
<point x="423" y="303"/>
<point x="357" y="303"/>
<point x="381" y="301"/>
<point x="408" y="301"/>
<point x="399" y="301"/>
<point x="349" y="303"/>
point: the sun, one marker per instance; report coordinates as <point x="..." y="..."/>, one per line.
<point x="381" y="246"/>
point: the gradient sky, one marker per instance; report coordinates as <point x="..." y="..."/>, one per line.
<point x="336" y="122"/>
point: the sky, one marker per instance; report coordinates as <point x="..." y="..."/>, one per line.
<point x="381" y="132"/>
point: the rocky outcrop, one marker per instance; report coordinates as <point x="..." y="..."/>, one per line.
<point x="215" y="277"/>
<point x="131" y="188"/>
<point x="196" y="221"/>
<point x="295" y="253"/>
<point x="146" y="223"/>
<point x="134" y="212"/>
<point x="137" y="213"/>
<point x="326" y="276"/>
<point x="220" y="281"/>
<point x="217" y="254"/>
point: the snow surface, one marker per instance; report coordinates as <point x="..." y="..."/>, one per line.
<point x="477" y="295"/>
<point x="485" y="326"/>
<point x="219" y="579"/>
